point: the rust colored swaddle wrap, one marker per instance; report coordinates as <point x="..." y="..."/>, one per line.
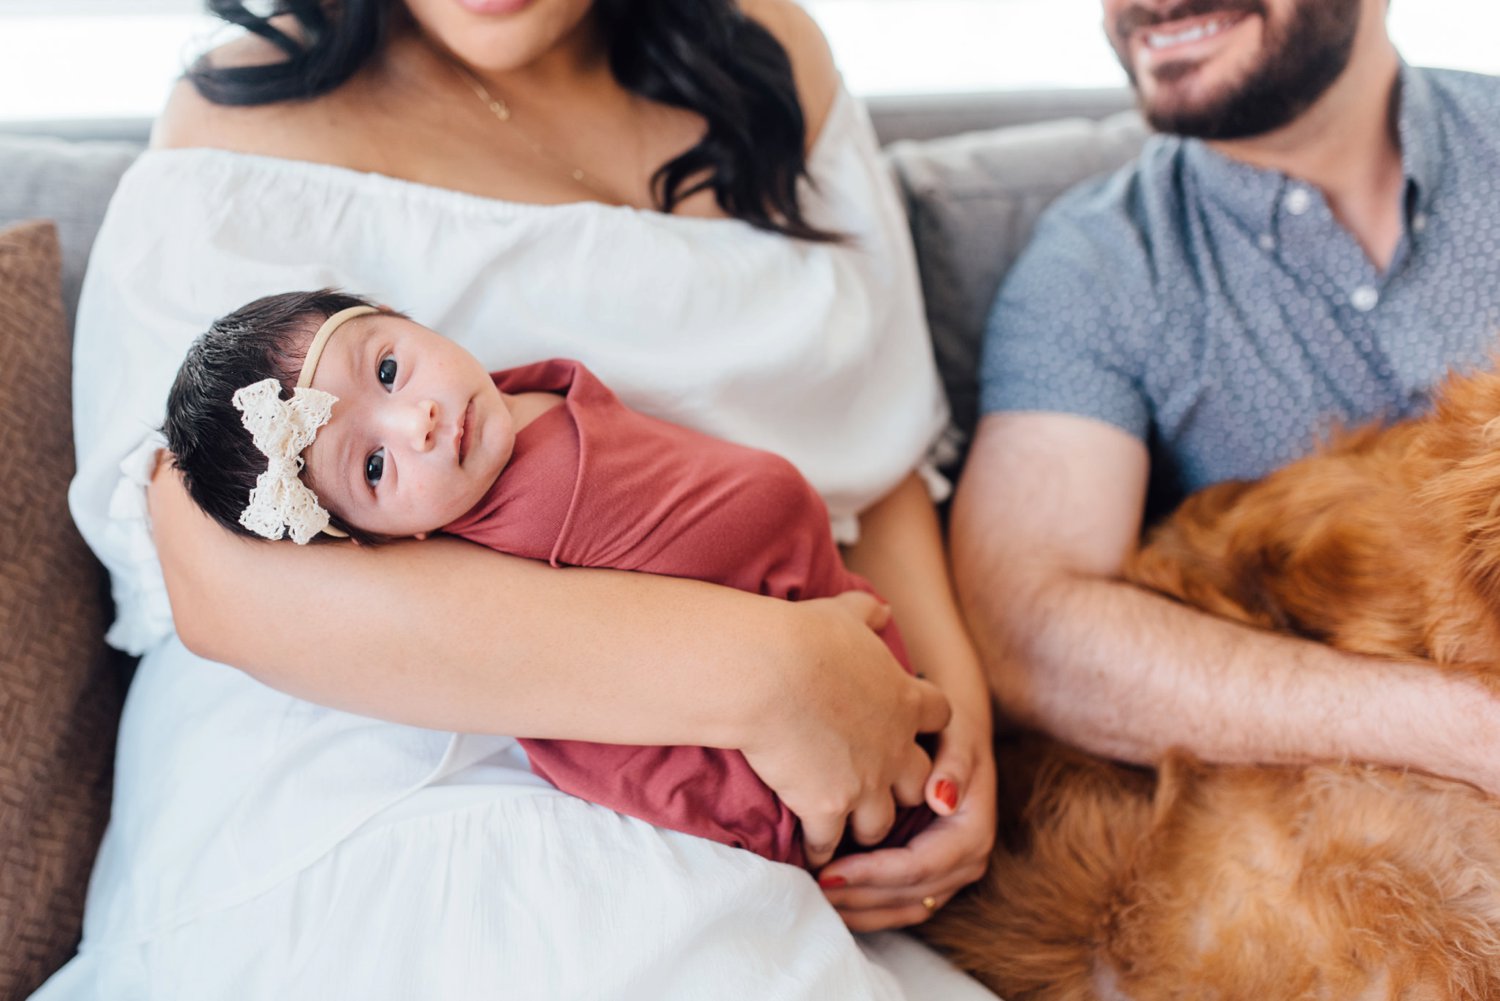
<point x="594" y="484"/>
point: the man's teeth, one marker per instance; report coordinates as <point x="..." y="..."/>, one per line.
<point x="1162" y="39"/>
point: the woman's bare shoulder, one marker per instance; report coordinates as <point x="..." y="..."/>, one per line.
<point x="292" y="129"/>
<point x="812" y="60"/>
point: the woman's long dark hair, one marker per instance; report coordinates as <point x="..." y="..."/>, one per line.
<point x="704" y="56"/>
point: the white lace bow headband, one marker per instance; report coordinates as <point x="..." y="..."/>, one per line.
<point x="281" y="429"/>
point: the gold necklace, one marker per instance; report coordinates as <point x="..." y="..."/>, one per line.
<point x="502" y="112"/>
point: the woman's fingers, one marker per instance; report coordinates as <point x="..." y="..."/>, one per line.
<point x="933" y="709"/>
<point x="902" y="875"/>
<point x="843" y="747"/>
<point x="952" y="771"/>
<point x="821" y="837"/>
<point x="895" y="912"/>
<point x="911" y="784"/>
<point x="873" y="817"/>
<point x="864" y="606"/>
<point x="864" y="899"/>
<point x="871" y="821"/>
<point x="943" y="857"/>
<point x="889" y="918"/>
<point x="891" y="887"/>
<point x="874" y="908"/>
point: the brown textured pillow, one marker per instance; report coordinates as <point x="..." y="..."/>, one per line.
<point x="60" y="691"/>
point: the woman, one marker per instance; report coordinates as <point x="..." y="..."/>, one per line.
<point x="621" y="182"/>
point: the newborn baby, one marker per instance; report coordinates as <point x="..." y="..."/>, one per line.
<point x="393" y="431"/>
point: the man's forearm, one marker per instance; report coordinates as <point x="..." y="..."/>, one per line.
<point x="1130" y="674"/>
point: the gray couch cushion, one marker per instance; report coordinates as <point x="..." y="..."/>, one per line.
<point x="67" y="182"/>
<point x="973" y="201"/>
<point x="934" y="116"/>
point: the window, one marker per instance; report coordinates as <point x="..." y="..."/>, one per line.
<point x="905" y="46"/>
<point x="64" y="59"/>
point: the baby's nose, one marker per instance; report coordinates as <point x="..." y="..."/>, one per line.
<point x="419" y="421"/>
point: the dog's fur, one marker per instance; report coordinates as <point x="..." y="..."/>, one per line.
<point x="1271" y="884"/>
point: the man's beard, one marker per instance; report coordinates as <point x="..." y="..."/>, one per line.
<point x="1298" y="63"/>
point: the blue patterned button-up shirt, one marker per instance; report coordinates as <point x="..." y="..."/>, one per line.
<point x="1221" y="314"/>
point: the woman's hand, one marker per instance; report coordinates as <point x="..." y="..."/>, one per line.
<point x="901" y="552"/>
<point x="840" y="744"/>
<point x="892" y="888"/>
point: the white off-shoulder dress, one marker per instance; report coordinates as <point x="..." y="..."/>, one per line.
<point x="264" y="847"/>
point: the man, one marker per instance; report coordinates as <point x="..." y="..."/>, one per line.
<point x="1315" y="242"/>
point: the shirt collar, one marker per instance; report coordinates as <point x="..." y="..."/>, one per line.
<point x="1420" y="129"/>
<point x="1252" y="195"/>
<point x="1249" y="194"/>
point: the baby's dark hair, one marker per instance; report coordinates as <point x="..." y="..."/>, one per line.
<point x="267" y="338"/>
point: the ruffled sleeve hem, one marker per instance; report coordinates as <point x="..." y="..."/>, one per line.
<point x="143" y="615"/>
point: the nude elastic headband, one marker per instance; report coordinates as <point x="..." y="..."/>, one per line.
<point x="320" y="340"/>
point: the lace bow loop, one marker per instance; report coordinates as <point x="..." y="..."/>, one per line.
<point x="281" y="429"/>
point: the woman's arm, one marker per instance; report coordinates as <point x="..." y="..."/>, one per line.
<point x="446" y="635"/>
<point x="901" y="552"/>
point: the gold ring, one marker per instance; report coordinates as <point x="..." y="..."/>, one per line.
<point x="930" y="903"/>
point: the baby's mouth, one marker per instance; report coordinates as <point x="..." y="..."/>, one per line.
<point x="463" y="432"/>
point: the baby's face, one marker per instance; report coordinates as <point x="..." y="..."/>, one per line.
<point x="419" y="432"/>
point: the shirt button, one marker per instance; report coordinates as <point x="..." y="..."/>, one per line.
<point x="1418" y="223"/>
<point x="1364" y="298"/>
<point x="1298" y="201"/>
<point x="1267" y="241"/>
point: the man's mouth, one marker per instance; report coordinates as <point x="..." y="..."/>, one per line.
<point x="1167" y="49"/>
<point x="1185" y="32"/>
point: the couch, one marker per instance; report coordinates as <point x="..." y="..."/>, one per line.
<point x="975" y="172"/>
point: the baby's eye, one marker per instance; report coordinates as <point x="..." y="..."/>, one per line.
<point x="375" y="467"/>
<point x="387" y="371"/>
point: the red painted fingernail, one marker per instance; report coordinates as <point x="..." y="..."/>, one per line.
<point x="947" y="792"/>
<point x="832" y="882"/>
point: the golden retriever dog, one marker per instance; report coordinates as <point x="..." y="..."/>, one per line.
<point x="1336" y="882"/>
